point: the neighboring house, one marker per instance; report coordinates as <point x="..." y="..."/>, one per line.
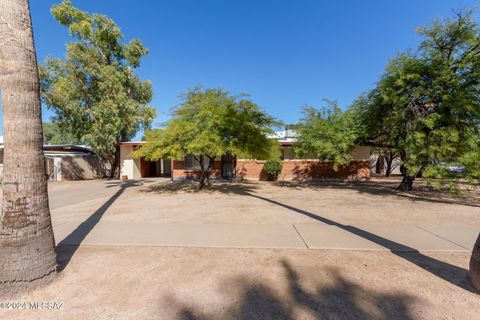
<point x="229" y="167"/>
<point x="68" y="162"/>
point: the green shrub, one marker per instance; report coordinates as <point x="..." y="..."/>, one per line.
<point x="273" y="168"/>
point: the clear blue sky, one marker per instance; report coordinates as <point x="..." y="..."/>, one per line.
<point x="284" y="53"/>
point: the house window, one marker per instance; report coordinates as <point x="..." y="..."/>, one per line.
<point x="193" y="165"/>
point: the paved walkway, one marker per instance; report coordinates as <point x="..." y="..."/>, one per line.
<point x="306" y="236"/>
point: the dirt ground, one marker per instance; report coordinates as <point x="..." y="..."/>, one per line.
<point x="258" y="203"/>
<point x="150" y="282"/>
<point x="199" y="283"/>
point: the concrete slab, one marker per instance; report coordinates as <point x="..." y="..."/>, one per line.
<point x="196" y="235"/>
<point x="462" y="235"/>
<point x="373" y="237"/>
<point x="323" y="236"/>
<point x="408" y="238"/>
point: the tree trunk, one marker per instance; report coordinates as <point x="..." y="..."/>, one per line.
<point x="389" y="162"/>
<point x="211" y="162"/>
<point x="408" y="178"/>
<point x="407" y="181"/>
<point x="115" y="166"/>
<point x="475" y="264"/>
<point x="202" y="172"/>
<point x="27" y="246"/>
<point x="205" y="172"/>
<point x="380" y="164"/>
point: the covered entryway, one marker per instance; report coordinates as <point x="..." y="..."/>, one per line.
<point x="228" y="166"/>
<point x="159" y="168"/>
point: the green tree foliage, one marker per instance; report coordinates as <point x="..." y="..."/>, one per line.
<point x="210" y="123"/>
<point x="427" y="103"/>
<point x="328" y="133"/>
<point x="53" y="134"/>
<point x="95" y="93"/>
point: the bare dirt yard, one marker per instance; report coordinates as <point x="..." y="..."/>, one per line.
<point x="261" y="202"/>
<point x="154" y="249"/>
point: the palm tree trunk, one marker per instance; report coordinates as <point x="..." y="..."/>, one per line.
<point x="27" y="247"/>
<point x="475" y="264"/>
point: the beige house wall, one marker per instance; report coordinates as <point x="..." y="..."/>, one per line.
<point x="357" y="153"/>
<point x="129" y="166"/>
<point x="79" y="168"/>
<point x="360" y="153"/>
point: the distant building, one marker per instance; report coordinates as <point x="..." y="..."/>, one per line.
<point x="68" y="162"/>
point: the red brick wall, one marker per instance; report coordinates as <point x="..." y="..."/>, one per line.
<point x="305" y="170"/>
<point x="291" y="170"/>
<point x="179" y="172"/>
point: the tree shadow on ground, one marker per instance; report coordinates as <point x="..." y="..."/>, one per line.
<point x="387" y="187"/>
<point x="335" y="297"/>
<point x="176" y="187"/>
<point x="381" y="187"/>
<point x="69" y="245"/>
<point x="455" y="275"/>
<point x="448" y="272"/>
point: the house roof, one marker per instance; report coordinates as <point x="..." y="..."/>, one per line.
<point x="132" y="143"/>
<point x="62" y="149"/>
<point x="287" y="135"/>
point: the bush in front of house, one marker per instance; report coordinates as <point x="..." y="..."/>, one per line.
<point x="273" y="168"/>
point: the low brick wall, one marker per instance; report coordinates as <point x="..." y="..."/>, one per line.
<point x="305" y="170"/>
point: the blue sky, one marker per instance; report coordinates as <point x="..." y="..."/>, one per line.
<point x="284" y="53"/>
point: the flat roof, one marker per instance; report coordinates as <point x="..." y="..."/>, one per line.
<point x="132" y="143"/>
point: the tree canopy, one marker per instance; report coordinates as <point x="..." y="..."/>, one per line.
<point x="210" y="123"/>
<point x="53" y="134"/>
<point x="328" y="133"/>
<point x="427" y="103"/>
<point x="95" y="93"/>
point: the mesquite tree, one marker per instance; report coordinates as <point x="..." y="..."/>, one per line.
<point x="427" y="103"/>
<point x="328" y="133"/>
<point x="427" y="106"/>
<point x="208" y="124"/>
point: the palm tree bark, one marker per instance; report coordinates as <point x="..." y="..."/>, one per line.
<point x="475" y="264"/>
<point x="27" y="246"/>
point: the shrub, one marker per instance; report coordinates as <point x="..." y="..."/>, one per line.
<point x="273" y="168"/>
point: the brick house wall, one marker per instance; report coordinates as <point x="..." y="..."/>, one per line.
<point x="298" y="170"/>
<point x="305" y="170"/>
<point x="292" y="169"/>
<point x="179" y="172"/>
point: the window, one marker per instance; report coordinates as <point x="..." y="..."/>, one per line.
<point x="193" y="165"/>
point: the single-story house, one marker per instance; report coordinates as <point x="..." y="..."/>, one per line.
<point x="73" y="162"/>
<point x="229" y="167"/>
<point x="134" y="168"/>
<point x="68" y="162"/>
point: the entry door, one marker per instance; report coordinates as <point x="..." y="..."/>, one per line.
<point x="227" y="166"/>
